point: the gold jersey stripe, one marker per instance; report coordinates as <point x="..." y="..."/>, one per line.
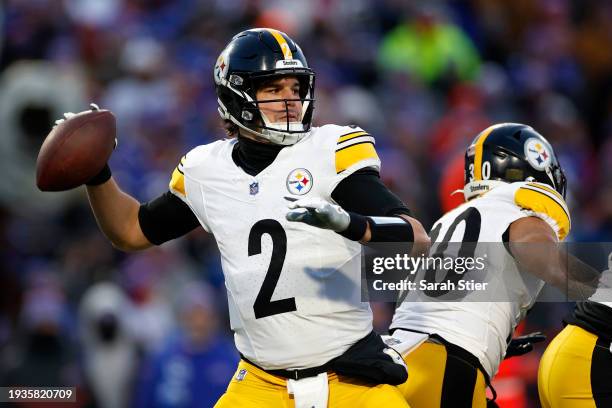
<point x="353" y="154"/>
<point x="177" y="183"/>
<point x="555" y="197"/>
<point x="541" y="202"/>
<point x="352" y="135"/>
<point x="287" y="54"/>
<point x="547" y="188"/>
<point x="355" y="141"/>
<point x="478" y="150"/>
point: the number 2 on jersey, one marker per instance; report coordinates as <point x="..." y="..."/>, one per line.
<point x="264" y="305"/>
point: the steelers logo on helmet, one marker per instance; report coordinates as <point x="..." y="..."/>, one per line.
<point x="299" y="181"/>
<point x="221" y="67"/>
<point x="537" y="154"/>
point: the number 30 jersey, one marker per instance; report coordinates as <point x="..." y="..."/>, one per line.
<point x="484" y="327"/>
<point x="293" y="290"/>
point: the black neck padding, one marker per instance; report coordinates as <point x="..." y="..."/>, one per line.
<point x="254" y="156"/>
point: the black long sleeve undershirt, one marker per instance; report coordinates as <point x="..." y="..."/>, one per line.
<point x="379" y="200"/>
<point x="167" y="217"/>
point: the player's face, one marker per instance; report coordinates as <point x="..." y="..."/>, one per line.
<point x="281" y="89"/>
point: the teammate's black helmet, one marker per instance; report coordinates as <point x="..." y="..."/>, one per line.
<point x="510" y="152"/>
<point x="254" y="56"/>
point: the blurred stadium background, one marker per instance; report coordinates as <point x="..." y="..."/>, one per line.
<point x="151" y="329"/>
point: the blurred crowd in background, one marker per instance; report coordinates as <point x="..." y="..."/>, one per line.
<point x="424" y="77"/>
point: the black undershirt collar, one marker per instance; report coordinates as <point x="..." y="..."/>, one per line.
<point x="252" y="156"/>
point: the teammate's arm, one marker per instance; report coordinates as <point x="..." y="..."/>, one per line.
<point x="534" y="245"/>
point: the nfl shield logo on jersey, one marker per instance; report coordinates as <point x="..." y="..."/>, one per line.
<point x="299" y="181"/>
<point x="254" y="188"/>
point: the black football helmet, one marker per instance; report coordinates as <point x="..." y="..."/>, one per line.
<point x="510" y="152"/>
<point x="254" y="56"/>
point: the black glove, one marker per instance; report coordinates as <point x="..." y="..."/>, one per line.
<point x="368" y="360"/>
<point x="523" y="344"/>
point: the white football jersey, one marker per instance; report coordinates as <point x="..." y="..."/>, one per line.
<point x="483" y="328"/>
<point x="603" y="293"/>
<point x="293" y="289"/>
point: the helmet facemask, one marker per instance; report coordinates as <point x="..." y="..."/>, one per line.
<point x="287" y="131"/>
<point x="557" y="176"/>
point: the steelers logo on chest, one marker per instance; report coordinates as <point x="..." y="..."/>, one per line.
<point x="299" y="181"/>
<point x="537" y="154"/>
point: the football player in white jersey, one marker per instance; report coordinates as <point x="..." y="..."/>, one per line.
<point x="514" y="191"/>
<point x="575" y="368"/>
<point x="304" y="335"/>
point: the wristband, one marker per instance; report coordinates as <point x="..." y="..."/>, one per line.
<point x="390" y="229"/>
<point x="357" y="227"/>
<point x="102" y="177"/>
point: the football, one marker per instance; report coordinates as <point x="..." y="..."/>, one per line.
<point x="75" y="150"/>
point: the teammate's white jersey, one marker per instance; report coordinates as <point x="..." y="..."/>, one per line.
<point x="483" y="328"/>
<point x="293" y="290"/>
<point x="603" y="293"/>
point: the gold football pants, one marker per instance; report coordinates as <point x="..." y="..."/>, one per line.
<point x="576" y="371"/>
<point x="252" y="387"/>
<point x="438" y="378"/>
